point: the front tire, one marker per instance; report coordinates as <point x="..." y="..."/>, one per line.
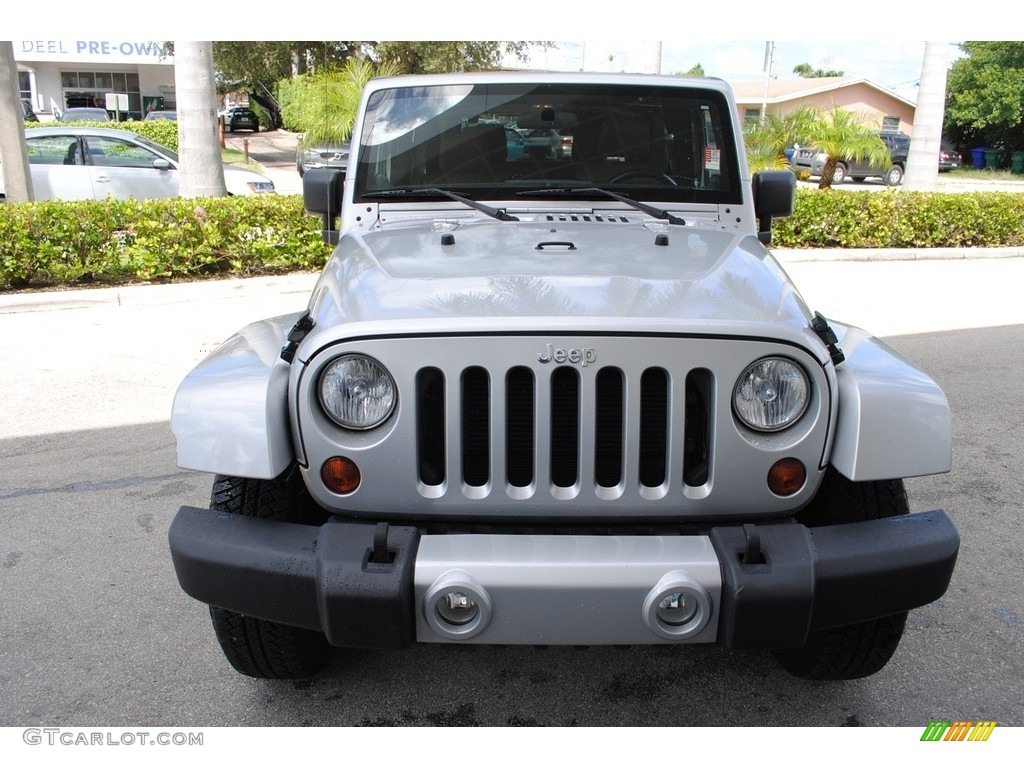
<point x="894" y="177"/>
<point x="257" y="647"/>
<point x="859" y="650"/>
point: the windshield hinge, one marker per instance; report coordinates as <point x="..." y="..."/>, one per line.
<point x="298" y="332"/>
<point x="824" y="332"/>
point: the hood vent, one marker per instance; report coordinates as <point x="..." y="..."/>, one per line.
<point x="565" y="217"/>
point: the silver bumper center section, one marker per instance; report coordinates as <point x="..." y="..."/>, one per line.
<point x="566" y="590"/>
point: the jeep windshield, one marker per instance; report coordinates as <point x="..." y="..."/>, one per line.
<point x="501" y="141"/>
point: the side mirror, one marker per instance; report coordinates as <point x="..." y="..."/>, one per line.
<point x="774" y="195"/>
<point x="322" y="195"/>
<point x="162" y="165"/>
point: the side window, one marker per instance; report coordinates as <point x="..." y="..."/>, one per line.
<point x="54" y="150"/>
<point x="114" y="153"/>
<point x="890" y="123"/>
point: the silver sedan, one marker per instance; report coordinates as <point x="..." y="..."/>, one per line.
<point x="78" y="163"/>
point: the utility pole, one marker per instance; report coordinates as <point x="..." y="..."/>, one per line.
<point x="13" y="150"/>
<point x="769" y="66"/>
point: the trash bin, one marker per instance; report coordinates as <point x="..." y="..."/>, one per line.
<point x="978" y="157"/>
<point x="992" y="158"/>
<point x="1017" y="162"/>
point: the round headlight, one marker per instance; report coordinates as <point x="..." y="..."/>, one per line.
<point x="771" y="394"/>
<point x="357" y="392"/>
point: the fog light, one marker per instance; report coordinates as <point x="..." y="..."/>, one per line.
<point x="678" y="607"/>
<point x="786" y="477"/>
<point x="456" y="606"/>
<point x="340" y="475"/>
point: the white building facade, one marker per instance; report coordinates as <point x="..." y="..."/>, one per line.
<point x="57" y="74"/>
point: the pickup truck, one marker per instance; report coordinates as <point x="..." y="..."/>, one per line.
<point x="555" y="399"/>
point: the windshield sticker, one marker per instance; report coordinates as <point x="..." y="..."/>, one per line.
<point x="712" y="159"/>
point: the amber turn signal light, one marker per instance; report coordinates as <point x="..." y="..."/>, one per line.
<point x="786" y="477"/>
<point x="340" y="475"/>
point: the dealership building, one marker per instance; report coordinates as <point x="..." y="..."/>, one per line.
<point x="57" y="74"/>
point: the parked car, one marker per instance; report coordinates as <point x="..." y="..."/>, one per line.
<point x="515" y="145"/>
<point x="241" y="117"/>
<point x="79" y="163"/>
<point x="320" y="156"/>
<point x="813" y="160"/>
<point x="27" y="113"/>
<point x="84" y="115"/>
<point x="162" y="114"/>
<point x="949" y="158"/>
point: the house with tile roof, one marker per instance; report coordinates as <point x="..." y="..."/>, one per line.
<point x="893" y="111"/>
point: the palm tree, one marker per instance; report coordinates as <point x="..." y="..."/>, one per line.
<point x="841" y="134"/>
<point x="201" y="170"/>
<point x="767" y="140"/>
<point x="16" y="174"/>
<point x="922" y="165"/>
<point x="325" y="104"/>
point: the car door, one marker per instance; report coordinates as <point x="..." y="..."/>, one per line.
<point x="124" y="169"/>
<point x="58" y="169"/>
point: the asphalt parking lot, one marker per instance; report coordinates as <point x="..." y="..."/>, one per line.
<point x="97" y="630"/>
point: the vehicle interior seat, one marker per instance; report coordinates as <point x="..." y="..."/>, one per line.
<point x="471" y="154"/>
<point x="627" y="142"/>
<point x="71" y="156"/>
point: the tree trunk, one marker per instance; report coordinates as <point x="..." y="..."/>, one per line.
<point x="13" y="151"/>
<point x="923" y="159"/>
<point x="825" y="180"/>
<point x="201" y="168"/>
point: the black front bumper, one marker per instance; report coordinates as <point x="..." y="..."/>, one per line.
<point x="335" y="579"/>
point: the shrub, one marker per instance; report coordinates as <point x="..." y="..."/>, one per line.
<point x="67" y="241"/>
<point x="903" y="219"/>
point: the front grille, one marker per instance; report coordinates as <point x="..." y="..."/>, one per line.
<point x="554" y="427"/>
<point x="584" y="445"/>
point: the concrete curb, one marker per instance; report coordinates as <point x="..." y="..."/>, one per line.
<point x="894" y="254"/>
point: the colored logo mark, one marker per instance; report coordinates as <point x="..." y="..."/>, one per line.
<point x="958" y="730"/>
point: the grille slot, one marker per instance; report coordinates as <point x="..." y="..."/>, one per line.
<point x="608" y="428"/>
<point x="430" y="442"/>
<point x="565" y="427"/>
<point x="519" y="417"/>
<point x="653" y="427"/>
<point x="476" y="441"/>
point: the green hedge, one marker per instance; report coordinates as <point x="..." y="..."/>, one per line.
<point x="901" y="219"/>
<point x="62" y="242"/>
<point x="164" y="132"/>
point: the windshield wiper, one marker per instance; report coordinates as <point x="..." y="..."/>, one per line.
<point x="435" y="192"/>
<point x="650" y="210"/>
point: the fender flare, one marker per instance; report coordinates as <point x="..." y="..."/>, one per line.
<point x="230" y="414"/>
<point x="894" y="421"/>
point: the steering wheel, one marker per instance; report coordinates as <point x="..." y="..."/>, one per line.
<point x="643" y="173"/>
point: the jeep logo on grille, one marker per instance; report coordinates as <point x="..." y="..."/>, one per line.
<point x="582" y="356"/>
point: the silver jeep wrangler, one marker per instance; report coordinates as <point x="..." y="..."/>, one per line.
<point x="557" y="393"/>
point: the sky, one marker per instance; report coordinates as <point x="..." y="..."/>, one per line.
<point x="727" y="38"/>
<point x="895" y="65"/>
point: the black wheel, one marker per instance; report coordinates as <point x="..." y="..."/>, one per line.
<point x="839" y="174"/>
<point x="643" y="173"/>
<point x="894" y="177"/>
<point x="859" y="650"/>
<point x="257" y="647"/>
